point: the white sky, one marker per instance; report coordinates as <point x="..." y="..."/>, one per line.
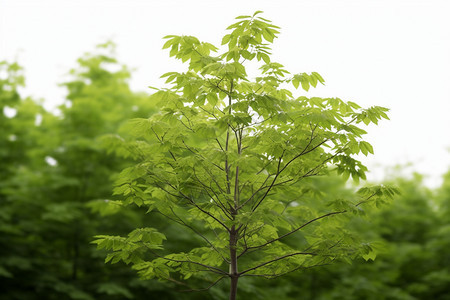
<point x="393" y="53"/>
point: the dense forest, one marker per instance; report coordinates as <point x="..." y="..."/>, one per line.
<point x="56" y="180"/>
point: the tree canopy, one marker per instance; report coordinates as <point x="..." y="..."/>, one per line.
<point x="230" y="158"/>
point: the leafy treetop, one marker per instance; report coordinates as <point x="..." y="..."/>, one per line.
<point x="232" y="159"/>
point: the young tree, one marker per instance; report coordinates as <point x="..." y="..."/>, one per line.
<point x="230" y="159"/>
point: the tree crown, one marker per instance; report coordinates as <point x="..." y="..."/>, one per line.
<point x="233" y="160"/>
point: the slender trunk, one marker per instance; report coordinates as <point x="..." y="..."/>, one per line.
<point x="234" y="276"/>
<point x="227" y="169"/>
<point x="233" y="287"/>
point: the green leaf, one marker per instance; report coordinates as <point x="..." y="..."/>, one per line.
<point x="226" y="39"/>
<point x="265" y="57"/>
<point x="366" y="147"/>
<point x="318" y="77"/>
<point x="243" y="17"/>
<point x="305" y="84"/>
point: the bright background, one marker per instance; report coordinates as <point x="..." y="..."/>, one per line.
<point x="391" y="53"/>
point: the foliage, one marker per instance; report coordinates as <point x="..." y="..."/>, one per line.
<point x="17" y="136"/>
<point x="233" y="159"/>
<point x="54" y="170"/>
<point x="410" y="265"/>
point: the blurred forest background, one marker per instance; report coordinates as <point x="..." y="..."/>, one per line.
<point x="55" y="194"/>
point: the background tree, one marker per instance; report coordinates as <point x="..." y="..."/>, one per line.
<point x="54" y="171"/>
<point x="231" y="159"/>
<point x="18" y="131"/>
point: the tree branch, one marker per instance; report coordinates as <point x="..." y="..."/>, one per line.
<point x="218" y="202"/>
<point x="201" y="235"/>
<point x="207" y="288"/>
<point x="192" y="202"/>
<point x="276" y="259"/>
<point x="210" y="268"/>
<point x="296" y="229"/>
<point x="273" y="182"/>
<point x="272" y="276"/>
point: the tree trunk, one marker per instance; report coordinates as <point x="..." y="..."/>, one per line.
<point x="233" y="263"/>
<point x="233" y="287"/>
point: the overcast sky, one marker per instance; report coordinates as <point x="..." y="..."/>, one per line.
<point x="393" y="53"/>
